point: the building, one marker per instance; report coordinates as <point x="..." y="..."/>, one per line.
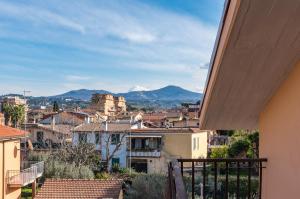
<point x="108" y="104"/>
<point x="79" y="188"/>
<point x="106" y="135"/>
<point x="254" y="83"/>
<point x="67" y="118"/>
<point x="185" y="123"/>
<point x="46" y="136"/>
<point x="149" y="150"/>
<point x="12" y="175"/>
<point x="13" y="100"/>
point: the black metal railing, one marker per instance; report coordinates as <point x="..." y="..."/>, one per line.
<point x="216" y="178"/>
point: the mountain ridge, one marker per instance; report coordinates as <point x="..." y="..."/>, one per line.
<point x="166" y="93"/>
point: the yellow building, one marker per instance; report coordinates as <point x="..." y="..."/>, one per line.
<point x="108" y="104"/>
<point x="152" y="148"/>
<point x="9" y="160"/>
<point x="12" y="177"/>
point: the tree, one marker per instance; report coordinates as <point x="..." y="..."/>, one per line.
<point x="55" y="106"/>
<point x="110" y="139"/>
<point x="14" y="114"/>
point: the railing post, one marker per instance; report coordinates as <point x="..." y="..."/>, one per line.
<point x="33" y="186"/>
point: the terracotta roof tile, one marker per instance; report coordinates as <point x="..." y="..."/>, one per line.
<point x="8" y="132"/>
<point x="98" y="127"/>
<point x="78" y="188"/>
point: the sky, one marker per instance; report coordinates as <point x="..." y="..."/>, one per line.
<point x="52" y="46"/>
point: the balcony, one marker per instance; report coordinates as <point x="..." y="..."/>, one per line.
<point x="154" y="153"/>
<point x="215" y="178"/>
<point x="26" y="176"/>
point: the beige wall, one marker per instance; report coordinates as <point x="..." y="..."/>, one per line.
<point x="10" y="160"/>
<point x="280" y="140"/>
<point x="178" y="145"/>
<point x="200" y="150"/>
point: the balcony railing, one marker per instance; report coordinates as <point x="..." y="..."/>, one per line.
<point x="20" y="178"/>
<point x="143" y="153"/>
<point x="215" y="178"/>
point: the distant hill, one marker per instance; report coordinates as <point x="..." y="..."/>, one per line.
<point x="82" y="94"/>
<point x="165" y="94"/>
<point x="169" y="96"/>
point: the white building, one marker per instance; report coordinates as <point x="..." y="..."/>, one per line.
<point x="107" y="135"/>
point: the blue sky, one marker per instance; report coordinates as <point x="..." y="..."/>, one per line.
<point x="49" y="47"/>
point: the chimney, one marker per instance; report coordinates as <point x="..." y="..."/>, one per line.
<point x="52" y="122"/>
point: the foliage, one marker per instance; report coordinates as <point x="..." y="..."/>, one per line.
<point x="83" y="154"/>
<point x="56" y="169"/>
<point x="220" y="152"/>
<point x="238" y="148"/>
<point x="103" y="176"/>
<point x="147" y="186"/>
<point x="55" y="106"/>
<point x="14" y="114"/>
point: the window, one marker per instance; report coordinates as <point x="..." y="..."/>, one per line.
<point x="82" y="138"/>
<point x="40" y="136"/>
<point x="197" y="143"/>
<point x="115" y="161"/>
<point x="194" y="143"/>
<point x="115" y="138"/>
<point x="97" y="138"/>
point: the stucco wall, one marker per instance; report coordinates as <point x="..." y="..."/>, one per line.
<point x="11" y="158"/>
<point x="280" y="140"/>
<point x="178" y="145"/>
<point x="201" y="140"/>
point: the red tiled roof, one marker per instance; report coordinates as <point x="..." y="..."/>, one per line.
<point x="78" y="188"/>
<point x="7" y="132"/>
<point x="167" y="130"/>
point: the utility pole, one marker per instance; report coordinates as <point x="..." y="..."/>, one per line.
<point x="24" y="96"/>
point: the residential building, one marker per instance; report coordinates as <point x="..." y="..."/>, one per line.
<point x="12" y="175"/>
<point x="108" y="104"/>
<point x="106" y="136"/>
<point x="149" y="150"/>
<point x="254" y="83"/>
<point x="49" y="136"/>
<point x="80" y="188"/>
<point x="185" y="123"/>
<point x="67" y="118"/>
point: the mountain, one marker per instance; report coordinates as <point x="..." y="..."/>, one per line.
<point x="163" y="94"/>
<point x="169" y="96"/>
<point x="82" y="94"/>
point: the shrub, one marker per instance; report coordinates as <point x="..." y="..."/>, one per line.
<point x="147" y="186"/>
<point x="220" y="152"/>
<point x="56" y="169"/>
<point x="103" y="175"/>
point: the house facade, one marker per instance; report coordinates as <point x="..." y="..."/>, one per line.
<point x="149" y="150"/>
<point x="12" y="178"/>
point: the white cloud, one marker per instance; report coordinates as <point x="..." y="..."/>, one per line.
<point x="76" y="78"/>
<point x="138" y="88"/>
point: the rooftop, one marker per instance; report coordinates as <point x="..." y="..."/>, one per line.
<point x="111" y="127"/>
<point x="9" y="133"/>
<point x="78" y="188"/>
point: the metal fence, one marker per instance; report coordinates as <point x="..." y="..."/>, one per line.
<point x="20" y="178"/>
<point x="217" y="178"/>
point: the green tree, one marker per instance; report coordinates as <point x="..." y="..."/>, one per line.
<point x="55" y="106"/>
<point x="14" y="114"/>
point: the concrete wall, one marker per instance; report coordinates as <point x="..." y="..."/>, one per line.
<point x="280" y="140"/>
<point x="9" y="160"/>
<point x="178" y="145"/>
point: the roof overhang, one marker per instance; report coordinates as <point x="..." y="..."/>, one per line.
<point x="257" y="46"/>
